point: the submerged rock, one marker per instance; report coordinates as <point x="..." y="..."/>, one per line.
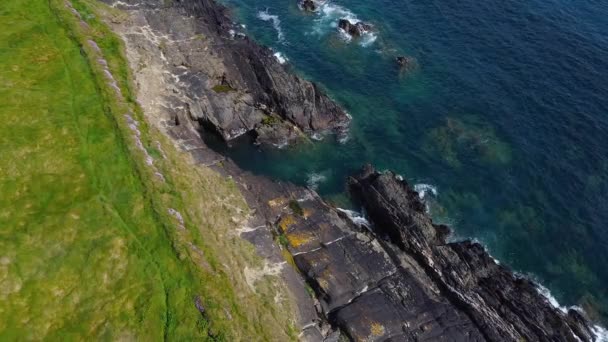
<point x="308" y="5"/>
<point x="354" y="29"/>
<point x="406" y="63"/>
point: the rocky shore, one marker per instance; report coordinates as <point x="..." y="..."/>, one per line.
<point x="392" y="276"/>
<point x="226" y="82"/>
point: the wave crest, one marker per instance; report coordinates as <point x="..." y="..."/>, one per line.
<point x="425" y="189"/>
<point x="276" y="23"/>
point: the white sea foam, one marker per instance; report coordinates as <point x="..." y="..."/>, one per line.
<point x="317" y="136"/>
<point x="425" y="189"/>
<point x="279" y="56"/>
<point x="550" y="298"/>
<point x="344" y="36"/>
<point x="276" y="23"/>
<point x="314" y="179"/>
<point x="356" y="217"/>
<point x="601" y="334"/>
<point x="368" y="39"/>
<point x="329" y="15"/>
<point x="281" y="145"/>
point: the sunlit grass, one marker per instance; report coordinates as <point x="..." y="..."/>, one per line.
<point x="87" y="246"/>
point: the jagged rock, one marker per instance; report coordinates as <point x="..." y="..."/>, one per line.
<point x="229" y="84"/>
<point x="499" y="305"/>
<point x="308" y="5"/>
<point x="354" y="29"/>
<point x="396" y="278"/>
<point x="278" y="134"/>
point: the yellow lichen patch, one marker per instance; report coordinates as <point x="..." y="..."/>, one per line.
<point x="288" y="257"/>
<point x="279" y="201"/>
<point x="323" y="284"/>
<point x="377" y="329"/>
<point x="297" y="240"/>
<point x="324" y="278"/>
<point x="286" y="221"/>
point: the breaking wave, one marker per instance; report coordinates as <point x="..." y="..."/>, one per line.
<point x="276" y="23"/>
<point x="356" y="218"/>
<point x="425" y="189"/>
<point x="329" y="15"/>
<point x="279" y="56"/>
<point x="601" y="334"/>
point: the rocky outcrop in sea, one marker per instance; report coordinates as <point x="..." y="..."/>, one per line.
<point x="356" y="29"/>
<point x="391" y="275"/>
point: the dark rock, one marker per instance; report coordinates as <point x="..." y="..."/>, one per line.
<point x="499" y="305"/>
<point x="406" y="63"/>
<point x="355" y="30"/>
<point x="308" y="5"/>
<point x="225" y="82"/>
<point x="395" y="279"/>
<point x="278" y="134"/>
<point x="199" y="305"/>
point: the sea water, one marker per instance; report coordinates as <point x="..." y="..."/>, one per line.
<point x="503" y="120"/>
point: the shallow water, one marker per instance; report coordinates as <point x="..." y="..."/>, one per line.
<point x="506" y="116"/>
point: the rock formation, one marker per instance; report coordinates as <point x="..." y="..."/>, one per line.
<point x="393" y="278"/>
<point x="397" y="278"/>
<point x="226" y="81"/>
<point x="308" y="5"/>
<point x="354" y="29"/>
<point x="481" y="299"/>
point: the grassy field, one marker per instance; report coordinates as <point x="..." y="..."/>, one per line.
<point x="89" y="247"/>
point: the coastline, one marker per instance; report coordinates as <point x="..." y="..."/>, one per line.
<point x="282" y="219"/>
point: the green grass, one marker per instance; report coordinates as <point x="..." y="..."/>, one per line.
<point x="296" y="208"/>
<point x="270" y="120"/>
<point x="222" y="88"/>
<point x="88" y="249"/>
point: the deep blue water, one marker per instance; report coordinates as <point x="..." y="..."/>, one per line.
<point x="506" y="116"/>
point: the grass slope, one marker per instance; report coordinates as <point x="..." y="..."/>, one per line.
<point x="88" y="247"/>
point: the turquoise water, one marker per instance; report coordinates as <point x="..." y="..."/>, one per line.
<point x="506" y="117"/>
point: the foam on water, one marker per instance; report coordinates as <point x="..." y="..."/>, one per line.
<point x="368" y="39"/>
<point x="552" y="300"/>
<point x="425" y="189"/>
<point x="343" y="139"/>
<point x="279" y="56"/>
<point x="345" y="36"/>
<point x="329" y="15"/>
<point x="601" y="334"/>
<point x="356" y="217"/>
<point x="314" y="179"/>
<point x="276" y="23"/>
<point x="317" y="136"/>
